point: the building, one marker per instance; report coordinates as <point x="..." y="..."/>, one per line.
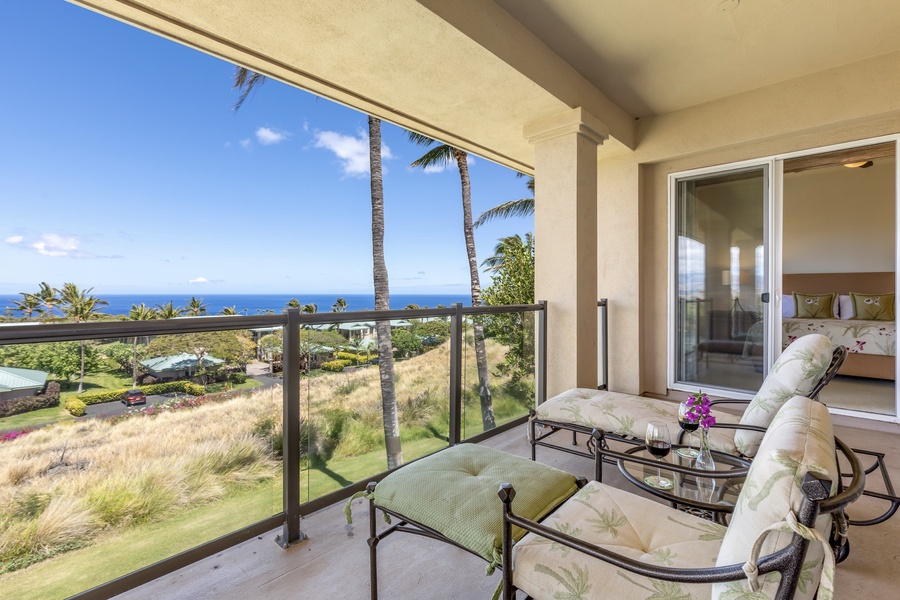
<point x="16" y="383"/>
<point x="179" y="366"/>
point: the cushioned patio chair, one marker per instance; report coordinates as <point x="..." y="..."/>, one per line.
<point x="803" y="369"/>
<point x="607" y="543"/>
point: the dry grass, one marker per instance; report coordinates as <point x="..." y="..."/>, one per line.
<point x="62" y="486"/>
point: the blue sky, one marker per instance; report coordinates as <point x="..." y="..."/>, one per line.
<point x="123" y="168"/>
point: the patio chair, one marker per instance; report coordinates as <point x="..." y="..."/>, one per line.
<point x="607" y="543"/>
<point x="804" y="368"/>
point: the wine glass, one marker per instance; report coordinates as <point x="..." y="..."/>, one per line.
<point x="658" y="444"/>
<point x="690" y="425"/>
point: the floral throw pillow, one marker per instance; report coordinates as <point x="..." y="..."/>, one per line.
<point x="814" y="306"/>
<point x="873" y="307"/>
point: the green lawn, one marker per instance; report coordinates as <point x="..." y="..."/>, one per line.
<point x="220" y="386"/>
<point x="110" y="377"/>
<point x="35" y="417"/>
<point x="121" y="552"/>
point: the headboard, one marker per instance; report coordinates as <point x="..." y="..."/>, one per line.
<point x="839" y="283"/>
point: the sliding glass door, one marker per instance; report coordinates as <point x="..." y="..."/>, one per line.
<point x="720" y="280"/>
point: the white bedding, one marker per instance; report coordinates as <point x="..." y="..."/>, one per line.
<point x="858" y="336"/>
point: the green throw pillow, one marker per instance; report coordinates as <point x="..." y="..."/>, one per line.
<point x="814" y="306"/>
<point x="873" y="307"/>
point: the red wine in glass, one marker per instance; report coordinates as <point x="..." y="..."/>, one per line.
<point x="690" y="426"/>
<point x="658" y="444"/>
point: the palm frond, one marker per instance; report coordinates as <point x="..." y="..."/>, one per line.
<point x="437" y="156"/>
<point x="246" y="81"/>
<point x="419" y="139"/>
<point x="522" y="207"/>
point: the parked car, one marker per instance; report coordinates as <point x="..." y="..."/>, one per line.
<point x="132" y="397"/>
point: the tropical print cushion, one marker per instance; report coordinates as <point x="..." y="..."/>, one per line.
<point x="626" y="415"/>
<point x="799" y="440"/>
<point x="796" y="372"/>
<point x="874" y="307"/>
<point x="629" y="525"/>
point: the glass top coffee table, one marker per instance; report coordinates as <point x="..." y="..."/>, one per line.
<point x="711" y="496"/>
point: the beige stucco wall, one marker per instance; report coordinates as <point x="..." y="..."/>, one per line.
<point x="840" y="220"/>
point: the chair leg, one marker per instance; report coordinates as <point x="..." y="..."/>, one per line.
<point x="373" y="558"/>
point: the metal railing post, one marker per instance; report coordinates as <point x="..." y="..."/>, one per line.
<point x="540" y="375"/>
<point x="291" y="533"/>
<point x="456" y="343"/>
<point x="603" y="355"/>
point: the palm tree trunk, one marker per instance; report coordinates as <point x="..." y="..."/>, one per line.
<point x="81" y="379"/>
<point x="134" y="364"/>
<point x="382" y="302"/>
<point x="484" y="383"/>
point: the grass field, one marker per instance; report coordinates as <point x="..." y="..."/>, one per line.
<point x="158" y="485"/>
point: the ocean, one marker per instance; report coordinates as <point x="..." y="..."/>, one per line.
<point x="253" y="304"/>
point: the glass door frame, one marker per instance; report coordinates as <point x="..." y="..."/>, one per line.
<point x="773" y="253"/>
<point x="767" y="165"/>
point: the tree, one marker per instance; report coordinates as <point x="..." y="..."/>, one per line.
<point x="139" y="312"/>
<point x="168" y="310"/>
<point x="293" y="303"/>
<point x="513" y="266"/>
<point x="221" y="344"/>
<point x="340" y="305"/>
<point x="229" y="311"/>
<point x="412" y="307"/>
<point x="522" y="207"/>
<point x="407" y="343"/>
<point x="196" y="307"/>
<point x="28" y="305"/>
<point x="50" y="299"/>
<point x="246" y="80"/>
<point x="309" y="308"/>
<point x="440" y="155"/>
<point x="80" y="306"/>
<point x="383" y="302"/>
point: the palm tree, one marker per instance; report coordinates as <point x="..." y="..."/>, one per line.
<point x="246" y="80"/>
<point x="49" y="297"/>
<point x="383" y="302"/>
<point x="498" y="260"/>
<point x="440" y="155"/>
<point x="293" y="303"/>
<point x="340" y="305"/>
<point x="229" y="311"/>
<point x="169" y="310"/>
<point x="522" y="207"/>
<point x="28" y="305"/>
<point x="139" y="312"/>
<point x="80" y="306"/>
<point x="412" y="307"/>
<point x="309" y="308"/>
<point x="196" y="307"/>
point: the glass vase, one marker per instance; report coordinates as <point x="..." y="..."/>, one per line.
<point x="704" y="459"/>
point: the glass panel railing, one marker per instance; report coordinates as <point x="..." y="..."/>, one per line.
<point x="362" y="415"/>
<point x="140" y="464"/>
<point x="498" y="369"/>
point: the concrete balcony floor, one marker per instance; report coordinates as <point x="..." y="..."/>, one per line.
<point x="334" y="561"/>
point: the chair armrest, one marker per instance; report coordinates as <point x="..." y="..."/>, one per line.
<point x="728" y="401"/>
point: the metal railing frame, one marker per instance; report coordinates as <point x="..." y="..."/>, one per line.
<point x="603" y="342"/>
<point x="292" y="320"/>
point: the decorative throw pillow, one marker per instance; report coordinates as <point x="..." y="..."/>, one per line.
<point x="874" y="307"/>
<point x="845" y="304"/>
<point x="814" y="306"/>
<point x="788" y="310"/>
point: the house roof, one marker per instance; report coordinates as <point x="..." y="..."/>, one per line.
<point x="179" y="361"/>
<point x="371" y="325"/>
<point x="12" y="378"/>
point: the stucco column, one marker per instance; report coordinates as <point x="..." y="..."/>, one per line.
<point x="565" y="225"/>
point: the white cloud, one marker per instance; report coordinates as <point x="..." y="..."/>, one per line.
<point x="266" y="136"/>
<point x="51" y="244"/>
<point x="14" y="239"/>
<point x="198" y="280"/>
<point x="352" y="151"/>
<point x="245" y="143"/>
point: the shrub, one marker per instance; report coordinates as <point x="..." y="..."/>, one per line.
<point x="335" y="366"/>
<point x="158" y="388"/>
<point x="238" y="377"/>
<point x="75" y="407"/>
<point x="17" y="406"/>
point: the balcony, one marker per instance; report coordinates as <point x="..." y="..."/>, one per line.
<point x="242" y="559"/>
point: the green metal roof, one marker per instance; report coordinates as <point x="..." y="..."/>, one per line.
<point x="179" y="361"/>
<point x="12" y="378"/>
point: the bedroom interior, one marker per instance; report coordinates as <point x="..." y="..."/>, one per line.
<point x="839" y="238"/>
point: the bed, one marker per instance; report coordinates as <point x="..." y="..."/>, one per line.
<point x="871" y="344"/>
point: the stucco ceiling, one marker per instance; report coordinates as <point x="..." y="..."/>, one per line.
<point x="653" y="57"/>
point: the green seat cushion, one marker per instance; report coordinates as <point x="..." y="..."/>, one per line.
<point x="454" y="492"/>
